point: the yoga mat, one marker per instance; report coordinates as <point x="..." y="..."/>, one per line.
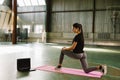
<point x="72" y="71"/>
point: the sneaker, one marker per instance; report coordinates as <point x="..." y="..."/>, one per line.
<point x="103" y="69"/>
<point x="58" y="67"/>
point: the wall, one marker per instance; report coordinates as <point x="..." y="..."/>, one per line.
<point x="5" y="22"/>
<point x="65" y="13"/>
<point x="32" y="15"/>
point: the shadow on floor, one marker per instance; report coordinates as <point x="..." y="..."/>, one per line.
<point x="22" y="74"/>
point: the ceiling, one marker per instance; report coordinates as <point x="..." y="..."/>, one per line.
<point x="30" y="2"/>
<point x="22" y="3"/>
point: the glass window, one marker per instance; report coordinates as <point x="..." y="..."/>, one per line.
<point x="21" y="2"/>
<point x="27" y="26"/>
<point x="34" y="2"/>
<point x="41" y="2"/>
<point x="1" y="1"/>
<point x="31" y="2"/>
<point x="17" y="26"/>
<point x="27" y="2"/>
<point x="38" y="29"/>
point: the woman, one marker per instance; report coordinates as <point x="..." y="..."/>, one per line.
<point x="76" y="51"/>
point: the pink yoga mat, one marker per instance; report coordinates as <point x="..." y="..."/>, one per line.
<point x="78" y="72"/>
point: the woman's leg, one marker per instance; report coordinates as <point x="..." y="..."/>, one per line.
<point x="82" y="57"/>
<point x="61" y="58"/>
<point x="69" y="54"/>
<point x="64" y="52"/>
<point x="85" y="65"/>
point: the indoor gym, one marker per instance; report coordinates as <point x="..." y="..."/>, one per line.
<point x="39" y="29"/>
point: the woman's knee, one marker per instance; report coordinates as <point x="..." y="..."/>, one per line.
<point x="62" y="51"/>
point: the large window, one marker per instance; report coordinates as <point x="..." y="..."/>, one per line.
<point x="27" y="26"/>
<point x="30" y="2"/>
<point x="1" y="1"/>
<point x="38" y="29"/>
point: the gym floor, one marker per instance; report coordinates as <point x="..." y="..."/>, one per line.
<point x="48" y="54"/>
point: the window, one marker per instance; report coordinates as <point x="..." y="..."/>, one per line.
<point x="21" y="2"/>
<point x="30" y="2"/>
<point x="34" y="2"/>
<point x="1" y="1"/>
<point x="41" y="2"/>
<point x="38" y="29"/>
<point x="27" y="26"/>
<point x="27" y="2"/>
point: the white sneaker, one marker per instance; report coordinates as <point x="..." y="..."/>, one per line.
<point x="104" y="69"/>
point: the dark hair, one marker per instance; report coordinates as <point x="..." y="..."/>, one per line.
<point x="77" y="25"/>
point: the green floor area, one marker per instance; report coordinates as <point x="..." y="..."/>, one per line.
<point x="48" y="54"/>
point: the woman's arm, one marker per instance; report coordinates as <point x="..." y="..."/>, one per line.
<point x="71" y="47"/>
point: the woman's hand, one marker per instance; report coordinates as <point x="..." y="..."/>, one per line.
<point x="64" y="48"/>
<point x="71" y="47"/>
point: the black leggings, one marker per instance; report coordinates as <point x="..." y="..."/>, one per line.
<point x="81" y="56"/>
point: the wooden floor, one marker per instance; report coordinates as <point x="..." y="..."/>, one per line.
<point x="48" y="54"/>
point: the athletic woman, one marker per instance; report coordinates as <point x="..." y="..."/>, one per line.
<point x="76" y="51"/>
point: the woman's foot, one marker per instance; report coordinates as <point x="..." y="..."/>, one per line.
<point x="103" y="69"/>
<point x="58" y="67"/>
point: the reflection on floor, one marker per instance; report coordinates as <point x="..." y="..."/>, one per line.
<point x="42" y="54"/>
